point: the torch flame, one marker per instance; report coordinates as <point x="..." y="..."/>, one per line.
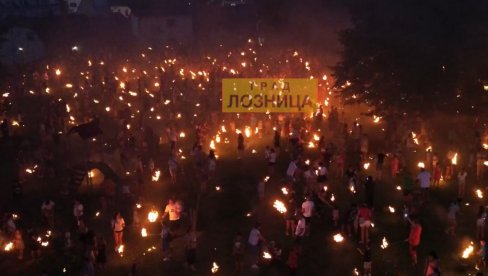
<point x="120" y="249"/>
<point x="143" y="232"/>
<point x="278" y="205"/>
<point x="352" y="189"/>
<point x="468" y="251"/>
<point x="454" y="159"/>
<point x="247" y="132"/>
<point x="215" y="267"/>
<point x="156" y="175"/>
<point x="415" y="138"/>
<point x="479" y="193"/>
<point x="376" y="119"/>
<point x="9" y="246"/>
<point x="152" y="216"/>
<point x="338" y="238"/>
<point x="266" y="255"/>
<point x="384" y="243"/>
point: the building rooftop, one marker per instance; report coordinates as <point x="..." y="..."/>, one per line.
<point x="157" y="7"/>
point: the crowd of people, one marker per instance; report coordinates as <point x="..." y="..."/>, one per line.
<point x="160" y="116"/>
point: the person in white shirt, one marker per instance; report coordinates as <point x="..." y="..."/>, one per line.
<point x="309" y="175"/>
<point x="271" y="160"/>
<point x="292" y="168"/>
<point x="307" y="212"/>
<point x="461" y="177"/>
<point x="10" y="225"/>
<point x="173" y="168"/>
<point x="267" y="151"/>
<point x="47" y="210"/>
<point x="301" y="227"/>
<point x="118" y="225"/>
<point x="451" y="217"/>
<point x="255" y="239"/>
<point x="424" y="178"/>
<point x="78" y="211"/>
<point x="321" y="173"/>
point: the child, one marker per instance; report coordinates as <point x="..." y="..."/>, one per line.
<point x="238" y="253"/>
<point x="480" y="222"/>
<point x="451" y="217"/>
<point x="437" y="176"/>
<point x="335" y="216"/>
<point x="190" y="249"/>
<point x="293" y="258"/>
<point x="34" y="247"/>
<point x="366" y="260"/>
<point x="483" y="253"/>
<point x="135" y="217"/>
<point x="261" y="185"/>
<point x="432" y="266"/>
<point x="19" y="244"/>
<point x="275" y="251"/>
<point x="67" y="240"/>
<point x="101" y="253"/>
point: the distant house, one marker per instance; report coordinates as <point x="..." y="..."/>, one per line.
<point x="163" y="22"/>
<point x="30" y="8"/>
<point x="20" y="46"/>
<point x="233" y="3"/>
<point x="88" y="7"/>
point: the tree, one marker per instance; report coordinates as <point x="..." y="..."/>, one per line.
<point x="416" y="55"/>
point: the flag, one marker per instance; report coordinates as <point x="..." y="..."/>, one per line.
<point x="88" y="130"/>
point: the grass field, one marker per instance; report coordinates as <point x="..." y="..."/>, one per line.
<point x="223" y="213"/>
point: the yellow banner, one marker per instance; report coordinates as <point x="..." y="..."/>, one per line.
<point x="269" y="95"/>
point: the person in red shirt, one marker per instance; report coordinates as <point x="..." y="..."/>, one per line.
<point x="395" y="165"/>
<point x="414" y="239"/>
<point x="437" y="176"/>
<point x="293" y="258"/>
<point x="364" y="215"/>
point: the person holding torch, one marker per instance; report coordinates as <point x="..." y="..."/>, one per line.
<point x="414" y="238"/>
<point x="118" y="225"/>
